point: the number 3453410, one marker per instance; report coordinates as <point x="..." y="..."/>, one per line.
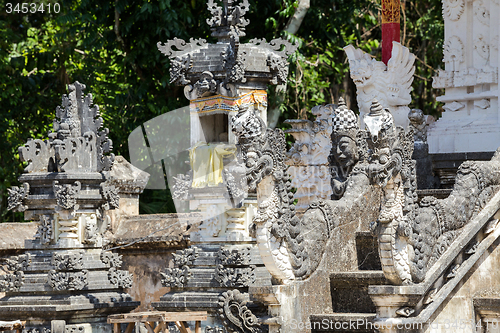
<point x="25" y="8"/>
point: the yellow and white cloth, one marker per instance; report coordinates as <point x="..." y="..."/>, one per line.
<point x="206" y="162"/>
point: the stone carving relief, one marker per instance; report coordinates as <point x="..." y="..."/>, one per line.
<point x="66" y="194"/>
<point x="279" y="69"/>
<point x="390" y="85"/>
<point x="38" y="153"/>
<point x="482" y="47"/>
<point x="182" y="47"/>
<point x="418" y="125"/>
<point x="235" y="315"/>
<point x="308" y="158"/>
<point x="67" y="261"/>
<point x="481" y="12"/>
<point x="110" y="195"/>
<point x="453" y="9"/>
<point x="179" y="66"/>
<point x="17" y="196"/>
<point x="11" y="282"/>
<point x="74" y="329"/>
<point x="453" y="52"/>
<point x="182" y="184"/>
<point x="36" y="330"/>
<point x="186" y="257"/>
<point x="229" y="19"/>
<point x="291" y="248"/>
<point x="120" y="278"/>
<point x="482" y="104"/>
<point x="179" y="276"/>
<point x="68" y="280"/>
<point x="235" y="277"/>
<point x="264" y="152"/>
<point x="79" y="141"/>
<point x="91" y="232"/>
<point x="18" y="263"/>
<point x="210" y="329"/>
<point x="204" y="87"/>
<point x="233" y="61"/>
<point x="45" y="230"/>
<point x="111" y="259"/>
<point x="229" y="256"/>
<point x="175" y="277"/>
<point x="454" y="106"/>
<point x="413" y="236"/>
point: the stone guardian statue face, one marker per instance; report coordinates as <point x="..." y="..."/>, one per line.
<point x="346" y="151"/>
<point x="344" y="133"/>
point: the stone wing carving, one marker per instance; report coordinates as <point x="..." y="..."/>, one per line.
<point x="390" y="85"/>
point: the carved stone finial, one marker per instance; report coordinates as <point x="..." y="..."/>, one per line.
<point x="228" y="20"/>
<point x="378" y="120"/>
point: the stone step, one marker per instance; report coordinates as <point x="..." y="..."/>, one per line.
<point x="343" y="322"/>
<point x="349" y="290"/>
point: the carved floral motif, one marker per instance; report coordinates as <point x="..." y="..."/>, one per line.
<point x="232" y="277"/>
<point x="68" y="280"/>
<point x="182" y="184"/>
<point x="11" y="282"/>
<point x="120" y="278"/>
<point x="17" y="196"/>
<point x="482" y="47"/>
<point x="229" y="256"/>
<point x="45" y="230"/>
<point x="19" y="263"/>
<point x="481" y="12"/>
<point x="111" y="259"/>
<point x="453" y="9"/>
<point x="453" y="52"/>
<point x="110" y="195"/>
<point x="186" y="257"/>
<point x="67" y="261"/>
<point x="66" y="194"/>
<point x="175" y="277"/>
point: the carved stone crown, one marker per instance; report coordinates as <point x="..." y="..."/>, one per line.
<point x="76" y="144"/>
<point x="228" y="20"/>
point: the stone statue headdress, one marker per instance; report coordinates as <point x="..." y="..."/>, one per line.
<point x="345" y="121"/>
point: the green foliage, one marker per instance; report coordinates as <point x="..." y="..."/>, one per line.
<point x="110" y="45"/>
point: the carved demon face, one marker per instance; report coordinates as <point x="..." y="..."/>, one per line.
<point x="361" y="74"/>
<point x="206" y="85"/>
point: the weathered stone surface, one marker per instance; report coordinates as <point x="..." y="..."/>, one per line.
<point x="165" y="230"/>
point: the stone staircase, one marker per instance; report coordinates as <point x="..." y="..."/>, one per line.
<point x="353" y="309"/>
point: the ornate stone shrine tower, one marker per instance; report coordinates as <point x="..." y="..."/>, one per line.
<point x="221" y="81"/>
<point x="65" y="280"/>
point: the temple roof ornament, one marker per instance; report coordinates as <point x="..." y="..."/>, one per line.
<point x="231" y="64"/>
